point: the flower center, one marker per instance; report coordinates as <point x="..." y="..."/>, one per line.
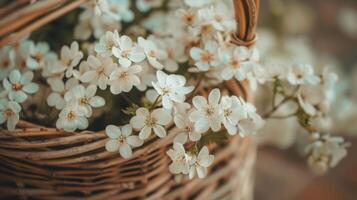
<point x="100" y="70"/>
<point x="206" y="56"/>
<point x="188" y="18"/>
<point x="71" y="115"/>
<point x="209" y="110"/>
<point x="110" y="45"/>
<point x="234" y="63"/>
<point x="206" y="29"/>
<point x="218" y="18"/>
<point x="121" y="140"/>
<point x="124" y="75"/>
<point x="39" y="57"/>
<point x="125" y="53"/>
<point x="17" y="86"/>
<point x="152" y="53"/>
<point x="150" y="121"/>
<point x="166" y="90"/>
<point x="227" y="112"/>
<point x="84" y="101"/>
<point x="8" y="113"/>
<point x="5" y="63"/>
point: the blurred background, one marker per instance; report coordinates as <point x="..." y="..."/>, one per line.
<point x="324" y="33"/>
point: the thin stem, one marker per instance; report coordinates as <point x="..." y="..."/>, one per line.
<point x="155" y="102"/>
<point x="276" y="107"/>
<point x="198" y="83"/>
<point x="283" y="117"/>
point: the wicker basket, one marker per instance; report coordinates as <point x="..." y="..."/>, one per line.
<point x="48" y="163"/>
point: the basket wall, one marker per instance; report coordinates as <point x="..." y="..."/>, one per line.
<point x="47" y="163"/>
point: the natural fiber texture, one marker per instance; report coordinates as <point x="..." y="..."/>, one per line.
<point x="47" y="163"/>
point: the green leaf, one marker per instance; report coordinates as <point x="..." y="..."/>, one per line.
<point x="131" y="110"/>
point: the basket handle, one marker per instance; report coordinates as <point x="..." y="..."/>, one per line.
<point x="246" y="15"/>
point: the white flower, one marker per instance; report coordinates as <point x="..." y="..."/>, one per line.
<point x="197" y="3"/>
<point x="99" y="71"/>
<point x="187" y="16"/>
<point x="180" y="160"/>
<point x="175" y="50"/>
<point x="100" y="6"/>
<point x="251" y="122"/>
<point x="315" y="99"/>
<point x="309" y="97"/>
<point x="237" y="61"/>
<point x="233" y="111"/>
<point x="124" y="78"/>
<point x="171" y="88"/>
<point x="146" y="121"/>
<point x="70" y="57"/>
<point x="7" y="61"/>
<point x="145" y="5"/>
<point x="127" y="52"/>
<point x="122" y="140"/>
<point x="72" y="118"/>
<point x="120" y="10"/>
<point x="85" y="98"/>
<point x="207" y="57"/>
<point x="183" y="122"/>
<point x="207" y="115"/>
<point x="204" y="160"/>
<point x="153" y="54"/>
<point x="18" y="85"/>
<point x="37" y="55"/>
<point x="146" y="76"/>
<point x="302" y="74"/>
<point x="107" y="42"/>
<point x="219" y="15"/>
<point x="56" y="98"/>
<point x="21" y="53"/>
<point x="9" y="112"/>
<point x="326" y="152"/>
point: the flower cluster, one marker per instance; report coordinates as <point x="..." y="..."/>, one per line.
<point x="107" y="16"/>
<point x="163" y="81"/>
<point x="325" y="152"/>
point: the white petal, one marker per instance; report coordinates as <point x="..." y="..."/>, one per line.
<point x="162" y="116"/>
<point x="30" y="88"/>
<point x="134" y="141"/>
<point x="126" y="130"/>
<point x="125" y="151"/>
<point x="112" y="145"/>
<point x="112" y="131"/>
<point x="159" y="131"/>
<point x="145" y="133"/>
<point x="181" y="138"/>
<point x="199" y="102"/>
<point x="195" y="53"/>
<point x="137" y="122"/>
<point x="202" y="125"/>
<point x="124" y="62"/>
<point x="201" y="171"/>
<point x="15" y="76"/>
<point x="26" y="78"/>
<point x="214" y="96"/>
<point x="227" y="73"/>
<point x="18" y="96"/>
<point x="195" y="136"/>
<point x="97" y="101"/>
<point x="88" y="76"/>
<point x="216" y="124"/>
<point x="180" y="121"/>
